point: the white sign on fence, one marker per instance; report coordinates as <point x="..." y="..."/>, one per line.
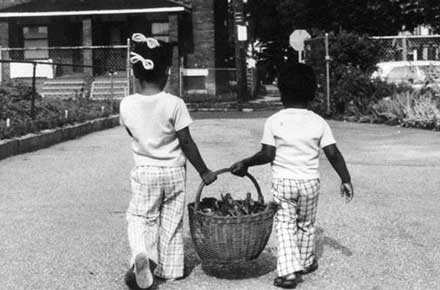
<point x="242" y="33"/>
<point x="25" y="70"/>
<point x="195" y="72"/>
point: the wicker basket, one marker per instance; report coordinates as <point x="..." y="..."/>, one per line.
<point x="226" y="240"/>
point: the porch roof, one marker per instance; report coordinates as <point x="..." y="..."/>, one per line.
<point x="37" y="8"/>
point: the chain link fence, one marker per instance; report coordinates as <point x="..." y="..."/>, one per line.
<point x="97" y="60"/>
<point x="392" y="48"/>
<point x="411" y="48"/>
<point x="102" y="72"/>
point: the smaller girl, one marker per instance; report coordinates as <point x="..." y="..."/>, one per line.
<point x="158" y="124"/>
<point x="292" y="142"/>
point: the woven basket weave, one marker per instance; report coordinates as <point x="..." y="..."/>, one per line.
<point x="226" y="240"/>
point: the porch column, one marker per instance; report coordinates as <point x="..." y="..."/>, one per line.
<point x="173" y="81"/>
<point x="87" y="41"/>
<point x="4" y="42"/>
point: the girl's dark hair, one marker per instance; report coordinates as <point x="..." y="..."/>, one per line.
<point x="160" y="56"/>
<point x="296" y="82"/>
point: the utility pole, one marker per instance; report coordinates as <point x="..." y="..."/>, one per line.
<point x="240" y="37"/>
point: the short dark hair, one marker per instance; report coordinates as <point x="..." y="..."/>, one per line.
<point x="160" y="56"/>
<point x="296" y="82"/>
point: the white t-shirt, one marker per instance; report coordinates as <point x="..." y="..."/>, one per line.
<point x="298" y="135"/>
<point x="153" y="121"/>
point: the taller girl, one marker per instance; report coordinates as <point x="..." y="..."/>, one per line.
<point x="158" y="124"/>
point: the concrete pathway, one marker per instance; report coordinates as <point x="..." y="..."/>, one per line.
<point x="62" y="211"/>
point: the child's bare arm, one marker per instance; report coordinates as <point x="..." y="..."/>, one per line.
<point x="265" y="155"/>
<point x="337" y="161"/>
<point x="191" y="151"/>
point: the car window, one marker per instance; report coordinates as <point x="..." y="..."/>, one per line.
<point x="405" y="74"/>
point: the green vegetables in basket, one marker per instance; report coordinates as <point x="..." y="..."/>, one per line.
<point x="227" y="206"/>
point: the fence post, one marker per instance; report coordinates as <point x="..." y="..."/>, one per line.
<point x="34" y="71"/>
<point x="404" y="48"/>
<point x="128" y="65"/>
<point x="327" y="73"/>
<point x="112" y="80"/>
<point x="1" y="64"/>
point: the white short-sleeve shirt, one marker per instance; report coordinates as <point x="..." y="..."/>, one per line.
<point x="153" y="121"/>
<point x="298" y="135"/>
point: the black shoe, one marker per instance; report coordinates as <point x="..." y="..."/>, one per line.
<point x="312" y="268"/>
<point x="130" y="279"/>
<point x="283" y="282"/>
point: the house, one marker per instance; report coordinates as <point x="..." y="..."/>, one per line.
<point x="198" y="27"/>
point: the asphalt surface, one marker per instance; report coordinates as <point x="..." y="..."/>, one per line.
<point x="62" y="211"/>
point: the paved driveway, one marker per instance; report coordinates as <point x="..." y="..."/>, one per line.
<point x="62" y="210"/>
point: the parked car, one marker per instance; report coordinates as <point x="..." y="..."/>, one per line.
<point x="417" y="74"/>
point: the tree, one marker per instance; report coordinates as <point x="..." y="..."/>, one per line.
<point x="422" y="12"/>
<point x="371" y="16"/>
<point x="274" y="20"/>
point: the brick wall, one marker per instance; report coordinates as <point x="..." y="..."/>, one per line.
<point x="203" y="54"/>
<point x="173" y="83"/>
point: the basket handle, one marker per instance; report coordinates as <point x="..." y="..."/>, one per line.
<point x="221" y="171"/>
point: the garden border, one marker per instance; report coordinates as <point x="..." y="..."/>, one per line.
<point x="49" y="137"/>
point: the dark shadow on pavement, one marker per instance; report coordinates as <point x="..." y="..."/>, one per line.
<point x="322" y="241"/>
<point x="191" y="257"/>
<point x="264" y="264"/>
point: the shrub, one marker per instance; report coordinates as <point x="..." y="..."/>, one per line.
<point x="410" y="109"/>
<point x="353" y="59"/>
<point x="351" y="49"/>
<point x="49" y="113"/>
<point x="353" y="92"/>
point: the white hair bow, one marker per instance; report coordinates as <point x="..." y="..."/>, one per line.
<point x="151" y="42"/>
<point x="148" y="64"/>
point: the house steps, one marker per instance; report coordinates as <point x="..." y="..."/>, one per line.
<point x="103" y="88"/>
<point x="63" y="88"/>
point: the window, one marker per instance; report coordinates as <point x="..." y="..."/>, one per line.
<point x="161" y="31"/>
<point x="35" y="36"/>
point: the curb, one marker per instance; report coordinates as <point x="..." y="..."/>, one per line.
<point x="234" y="107"/>
<point x="46" y="138"/>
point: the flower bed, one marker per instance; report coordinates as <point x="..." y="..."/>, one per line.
<point x="15" y="111"/>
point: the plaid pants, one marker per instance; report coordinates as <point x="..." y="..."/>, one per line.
<point x="294" y="223"/>
<point x="155" y="217"/>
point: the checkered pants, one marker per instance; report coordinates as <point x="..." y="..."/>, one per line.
<point x="294" y="223"/>
<point x="155" y="217"/>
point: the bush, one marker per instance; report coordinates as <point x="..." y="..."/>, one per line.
<point x="351" y="49"/>
<point x="410" y="109"/>
<point x="15" y="104"/>
<point x="353" y="60"/>
<point x="354" y="92"/>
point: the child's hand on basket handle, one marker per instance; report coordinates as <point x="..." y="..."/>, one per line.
<point x="265" y="155"/>
<point x="239" y="168"/>
<point x="208" y="177"/>
<point x="347" y="191"/>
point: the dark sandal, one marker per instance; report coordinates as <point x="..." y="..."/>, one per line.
<point x="312" y="268"/>
<point x="283" y="282"/>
